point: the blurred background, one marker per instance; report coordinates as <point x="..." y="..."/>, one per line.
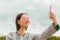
<point x="37" y="10"/>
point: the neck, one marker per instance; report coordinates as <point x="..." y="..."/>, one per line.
<point x="21" y="31"/>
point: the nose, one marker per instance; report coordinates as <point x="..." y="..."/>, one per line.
<point x="28" y="19"/>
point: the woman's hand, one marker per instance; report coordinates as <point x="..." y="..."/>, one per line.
<point x="53" y="18"/>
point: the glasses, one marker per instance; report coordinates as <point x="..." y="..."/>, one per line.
<point x="25" y="18"/>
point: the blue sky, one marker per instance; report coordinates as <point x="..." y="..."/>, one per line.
<point x="37" y="9"/>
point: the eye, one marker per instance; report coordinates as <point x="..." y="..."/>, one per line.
<point x="25" y="18"/>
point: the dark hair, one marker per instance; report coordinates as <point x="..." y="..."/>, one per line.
<point x="18" y="17"/>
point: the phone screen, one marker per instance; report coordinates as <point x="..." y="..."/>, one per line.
<point x="52" y="9"/>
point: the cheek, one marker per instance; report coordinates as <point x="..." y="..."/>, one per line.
<point x="23" y="21"/>
<point x="29" y="21"/>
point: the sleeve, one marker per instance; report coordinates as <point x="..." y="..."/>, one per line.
<point x="9" y="37"/>
<point x="47" y="33"/>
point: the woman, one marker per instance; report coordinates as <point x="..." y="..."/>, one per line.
<point x="22" y="22"/>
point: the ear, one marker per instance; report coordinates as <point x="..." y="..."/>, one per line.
<point x="18" y="21"/>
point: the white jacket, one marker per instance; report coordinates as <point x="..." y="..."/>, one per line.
<point x="28" y="36"/>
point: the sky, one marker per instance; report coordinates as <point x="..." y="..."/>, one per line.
<point x="37" y="10"/>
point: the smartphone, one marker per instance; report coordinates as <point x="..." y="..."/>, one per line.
<point x="52" y="8"/>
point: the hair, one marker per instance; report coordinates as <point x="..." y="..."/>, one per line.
<point x="18" y="17"/>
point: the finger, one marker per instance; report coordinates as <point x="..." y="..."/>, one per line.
<point x="51" y="14"/>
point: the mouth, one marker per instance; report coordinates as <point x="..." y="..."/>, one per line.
<point x="27" y="23"/>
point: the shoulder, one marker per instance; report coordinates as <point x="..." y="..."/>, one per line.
<point x="10" y="35"/>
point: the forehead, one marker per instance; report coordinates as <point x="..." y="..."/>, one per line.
<point x="24" y="15"/>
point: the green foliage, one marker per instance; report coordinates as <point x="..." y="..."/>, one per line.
<point x="2" y="38"/>
<point x="51" y="38"/>
<point x="54" y="38"/>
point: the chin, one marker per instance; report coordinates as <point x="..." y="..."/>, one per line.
<point x="26" y="25"/>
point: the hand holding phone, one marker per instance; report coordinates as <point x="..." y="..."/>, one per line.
<point x="52" y="15"/>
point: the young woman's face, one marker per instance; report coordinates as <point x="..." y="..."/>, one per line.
<point x="24" y="21"/>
